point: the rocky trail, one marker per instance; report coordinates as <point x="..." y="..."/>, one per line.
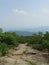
<point x="24" y="55"/>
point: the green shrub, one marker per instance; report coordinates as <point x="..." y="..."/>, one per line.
<point x="3" y="49"/>
<point x="37" y="46"/>
<point x="45" y="44"/>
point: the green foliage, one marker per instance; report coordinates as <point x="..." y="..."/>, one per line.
<point x="46" y="36"/>
<point x="7" y="40"/>
<point x="45" y="44"/>
<point x="21" y="39"/>
<point x="37" y="46"/>
<point x="38" y="41"/>
<point x="10" y="39"/>
<point x="3" y="49"/>
<point x="1" y="30"/>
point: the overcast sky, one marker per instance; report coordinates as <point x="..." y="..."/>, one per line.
<point x="24" y="13"/>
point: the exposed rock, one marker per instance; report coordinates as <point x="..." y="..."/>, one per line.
<point x="24" y="55"/>
<point x="32" y="52"/>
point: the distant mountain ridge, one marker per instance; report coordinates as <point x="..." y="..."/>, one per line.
<point x="23" y="33"/>
<point x="39" y="29"/>
<point x="30" y="31"/>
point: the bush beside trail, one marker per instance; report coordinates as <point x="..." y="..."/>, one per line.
<point x="9" y="40"/>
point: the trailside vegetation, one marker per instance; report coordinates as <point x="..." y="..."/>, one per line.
<point x="9" y="40"/>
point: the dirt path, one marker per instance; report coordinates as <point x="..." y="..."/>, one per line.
<point x="20" y="61"/>
<point x="18" y="57"/>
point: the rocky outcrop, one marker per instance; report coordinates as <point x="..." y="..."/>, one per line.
<point x="23" y="55"/>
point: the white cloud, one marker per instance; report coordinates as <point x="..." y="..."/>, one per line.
<point x="43" y="13"/>
<point x="20" y="11"/>
<point x="46" y="11"/>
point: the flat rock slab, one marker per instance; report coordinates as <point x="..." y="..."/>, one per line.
<point x="13" y="61"/>
<point x="20" y="61"/>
